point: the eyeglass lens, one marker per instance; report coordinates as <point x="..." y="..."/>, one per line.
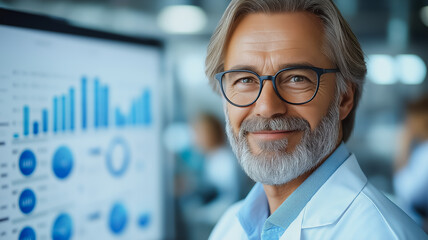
<point x="294" y="86"/>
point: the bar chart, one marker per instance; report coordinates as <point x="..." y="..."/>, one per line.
<point x="138" y="114"/>
<point x="80" y="138"/>
<point x="62" y="118"/>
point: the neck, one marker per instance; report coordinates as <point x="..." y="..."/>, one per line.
<point x="277" y="194"/>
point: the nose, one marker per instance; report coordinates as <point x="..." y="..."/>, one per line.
<point x="269" y="104"/>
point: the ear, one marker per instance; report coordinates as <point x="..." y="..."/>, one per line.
<point x="346" y="101"/>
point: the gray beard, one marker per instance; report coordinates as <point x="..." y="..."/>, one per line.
<point x="273" y="165"/>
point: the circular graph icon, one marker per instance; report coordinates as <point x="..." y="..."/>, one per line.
<point x="62" y="162"/>
<point x="118" y="157"/>
<point x="27" y="233"/>
<point x="144" y="220"/>
<point x="27" y="162"/>
<point x="118" y="218"/>
<point x="62" y="228"/>
<point x="27" y="201"/>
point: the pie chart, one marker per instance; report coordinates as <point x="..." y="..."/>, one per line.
<point x="62" y="162"/>
<point x="27" y="162"/>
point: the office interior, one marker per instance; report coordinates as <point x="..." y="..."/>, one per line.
<point x="393" y="35"/>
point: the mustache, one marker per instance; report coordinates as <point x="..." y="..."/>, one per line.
<point x="282" y="123"/>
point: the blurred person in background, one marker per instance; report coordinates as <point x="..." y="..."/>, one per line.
<point x="210" y="186"/>
<point x="291" y="73"/>
<point x="220" y="176"/>
<point x="411" y="177"/>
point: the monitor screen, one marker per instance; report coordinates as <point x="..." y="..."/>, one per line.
<point x="80" y="122"/>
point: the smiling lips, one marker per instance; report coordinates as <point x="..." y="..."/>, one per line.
<point x="271" y="135"/>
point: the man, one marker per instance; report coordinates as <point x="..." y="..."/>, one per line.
<point x="291" y="73"/>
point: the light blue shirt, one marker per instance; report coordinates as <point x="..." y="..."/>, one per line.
<point x="346" y="206"/>
<point x="254" y="213"/>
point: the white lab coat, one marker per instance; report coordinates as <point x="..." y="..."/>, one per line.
<point x="345" y="207"/>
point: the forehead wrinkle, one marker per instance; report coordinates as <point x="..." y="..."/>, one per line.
<point x="272" y="50"/>
<point x="261" y="59"/>
<point x="271" y="45"/>
<point x="257" y="44"/>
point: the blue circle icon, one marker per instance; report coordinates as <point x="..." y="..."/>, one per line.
<point x="27" y="162"/>
<point x="62" y="227"/>
<point x="118" y="218"/>
<point x="27" y="233"/>
<point x="144" y="220"/>
<point x="27" y="201"/>
<point x="118" y="157"/>
<point x="62" y="163"/>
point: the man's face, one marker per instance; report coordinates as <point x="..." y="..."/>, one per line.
<point x="265" y="43"/>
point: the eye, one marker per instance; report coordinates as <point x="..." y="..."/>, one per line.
<point x="245" y="80"/>
<point x="298" y="79"/>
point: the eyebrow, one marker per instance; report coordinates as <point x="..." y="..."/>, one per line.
<point x="287" y="65"/>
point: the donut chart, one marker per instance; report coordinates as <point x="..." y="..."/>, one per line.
<point x="118" y="157"/>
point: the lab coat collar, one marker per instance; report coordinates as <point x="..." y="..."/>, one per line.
<point x="254" y="212"/>
<point x="321" y="210"/>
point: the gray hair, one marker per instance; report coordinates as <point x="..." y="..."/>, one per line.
<point x="341" y="46"/>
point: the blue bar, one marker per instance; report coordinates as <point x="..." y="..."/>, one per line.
<point x="120" y="119"/>
<point x="117" y="116"/>
<point x="63" y="111"/>
<point x="147" y="107"/>
<point x="55" y="114"/>
<point x="128" y="119"/>
<point x="26" y="118"/>
<point x="102" y="106"/>
<point x="134" y="113"/>
<point x="45" y="120"/>
<point x="140" y="112"/>
<point x="105" y="105"/>
<point x="96" y="103"/>
<point x="84" y="110"/>
<point x="124" y="120"/>
<point x="71" y="92"/>
<point x="35" y="128"/>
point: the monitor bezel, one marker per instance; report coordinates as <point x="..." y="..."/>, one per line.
<point x="16" y="18"/>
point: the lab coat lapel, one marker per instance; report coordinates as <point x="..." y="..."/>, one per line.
<point x="293" y="231"/>
<point x="331" y="200"/>
<point x="334" y="197"/>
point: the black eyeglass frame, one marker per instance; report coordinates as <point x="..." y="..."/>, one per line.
<point x="319" y="72"/>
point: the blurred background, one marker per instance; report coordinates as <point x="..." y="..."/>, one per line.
<point x="394" y="37"/>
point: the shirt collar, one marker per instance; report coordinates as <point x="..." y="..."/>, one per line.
<point x="254" y="212"/>
<point x="253" y="215"/>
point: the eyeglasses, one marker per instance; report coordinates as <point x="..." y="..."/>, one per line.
<point x="294" y="85"/>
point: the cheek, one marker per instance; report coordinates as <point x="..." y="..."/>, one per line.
<point x="236" y="116"/>
<point x="315" y="110"/>
<point x="312" y="113"/>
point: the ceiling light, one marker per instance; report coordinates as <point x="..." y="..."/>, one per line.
<point x="424" y="15"/>
<point x="380" y="69"/>
<point x="182" y="19"/>
<point x="411" y="69"/>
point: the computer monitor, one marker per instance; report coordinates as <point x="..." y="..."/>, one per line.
<point x="80" y="126"/>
